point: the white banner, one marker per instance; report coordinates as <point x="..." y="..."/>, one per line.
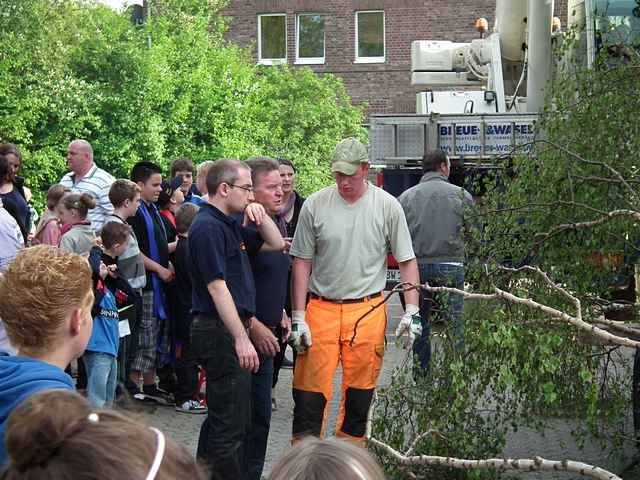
<point x="498" y="137"/>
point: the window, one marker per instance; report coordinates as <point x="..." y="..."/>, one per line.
<point x="272" y="38"/>
<point x="310" y="38"/>
<point x="617" y="22"/>
<point x="370" y="37"/>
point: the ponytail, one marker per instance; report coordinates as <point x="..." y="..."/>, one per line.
<point x="81" y="203"/>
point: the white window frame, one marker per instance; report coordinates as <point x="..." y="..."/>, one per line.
<point x="272" y="61"/>
<point x="309" y="60"/>
<point x="381" y="59"/>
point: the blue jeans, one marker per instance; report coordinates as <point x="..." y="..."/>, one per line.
<point x="256" y="444"/>
<point x="439" y="275"/>
<point x="102" y="378"/>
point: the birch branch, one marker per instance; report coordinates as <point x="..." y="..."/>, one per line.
<point x="589" y="224"/>
<point x="619" y="177"/>
<point x="527" y="268"/>
<point x="604" y="165"/>
<point x="619" y="326"/>
<point x="594" y="178"/>
<point x="499" y="464"/>
<point x="552" y="312"/>
<point x="419" y="438"/>
<point x="539" y="205"/>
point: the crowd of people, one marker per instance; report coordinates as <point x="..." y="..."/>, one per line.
<point x="180" y="292"/>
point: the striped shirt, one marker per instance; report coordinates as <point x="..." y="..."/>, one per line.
<point x="97" y="183"/>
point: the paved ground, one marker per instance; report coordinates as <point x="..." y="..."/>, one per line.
<point x="555" y="444"/>
<point x="184" y="428"/>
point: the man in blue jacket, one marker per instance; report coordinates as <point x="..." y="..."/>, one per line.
<point x="45" y="305"/>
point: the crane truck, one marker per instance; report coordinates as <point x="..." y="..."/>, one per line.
<point x="481" y="99"/>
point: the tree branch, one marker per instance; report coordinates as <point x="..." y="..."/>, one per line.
<point x="499" y="464"/>
<point x="589" y="224"/>
<point x="604" y="165"/>
<point x="418" y="439"/>
<point x="596" y="179"/>
<point x="505" y="464"/>
<point x="552" y="312"/>
<point x="619" y="326"/>
<point x="548" y="281"/>
<point x="620" y="178"/>
<point x="538" y="205"/>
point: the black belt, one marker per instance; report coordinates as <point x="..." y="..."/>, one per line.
<point x="207" y="317"/>
<point x="348" y="300"/>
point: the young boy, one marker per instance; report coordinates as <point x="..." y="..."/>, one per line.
<point x="124" y="195"/>
<point x="101" y="355"/>
<point x="125" y="198"/>
<point x="186" y="364"/>
<point x="183" y="167"/>
<point x="201" y="177"/>
<point x="45" y="305"/>
<point x="153" y="332"/>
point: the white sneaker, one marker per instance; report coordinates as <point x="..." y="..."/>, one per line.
<point x="191" y="406"/>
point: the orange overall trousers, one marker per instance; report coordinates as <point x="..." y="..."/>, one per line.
<point x="332" y="328"/>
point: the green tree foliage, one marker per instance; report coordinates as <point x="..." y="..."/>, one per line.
<point x="520" y="367"/>
<point x="584" y="168"/>
<point x="169" y="88"/>
<point x="304" y="118"/>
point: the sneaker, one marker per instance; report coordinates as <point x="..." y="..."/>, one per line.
<point x="155" y="395"/>
<point x="191" y="406"/>
<point x="274" y="404"/>
<point x="286" y="363"/>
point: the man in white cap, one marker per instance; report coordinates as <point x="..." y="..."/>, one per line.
<point x="340" y="259"/>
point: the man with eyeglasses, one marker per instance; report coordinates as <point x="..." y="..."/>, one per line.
<point x="340" y="260"/>
<point x="223" y="305"/>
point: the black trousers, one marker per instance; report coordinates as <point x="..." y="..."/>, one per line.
<point x="186" y="373"/>
<point x="279" y="358"/>
<point x="222" y="436"/>
<point x="132" y="342"/>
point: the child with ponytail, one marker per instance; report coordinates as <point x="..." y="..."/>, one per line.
<point x="77" y="234"/>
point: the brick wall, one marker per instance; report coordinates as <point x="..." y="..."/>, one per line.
<point x="385" y="87"/>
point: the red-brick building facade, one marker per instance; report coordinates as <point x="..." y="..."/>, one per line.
<point x="366" y="42"/>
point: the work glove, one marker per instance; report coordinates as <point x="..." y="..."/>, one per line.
<point x="300" y="333"/>
<point x="411" y="322"/>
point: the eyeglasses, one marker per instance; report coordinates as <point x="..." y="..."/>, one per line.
<point x="246" y="189"/>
